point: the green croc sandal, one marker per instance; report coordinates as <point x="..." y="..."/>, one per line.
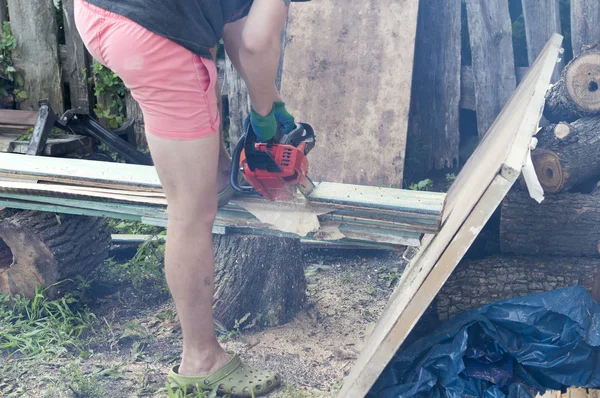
<point x="234" y="378"/>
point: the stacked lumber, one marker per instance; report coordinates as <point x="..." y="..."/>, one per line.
<point x="339" y="213"/>
<point x="567" y="164"/>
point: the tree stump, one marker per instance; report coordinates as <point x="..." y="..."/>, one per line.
<point x="577" y="93"/>
<point x="40" y="248"/>
<point x="480" y="282"/>
<point x="567" y="154"/>
<point x="564" y="224"/>
<point x="260" y="276"/>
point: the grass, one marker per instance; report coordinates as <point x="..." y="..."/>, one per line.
<point x="38" y="326"/>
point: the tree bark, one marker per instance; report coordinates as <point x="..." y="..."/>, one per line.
<point x="577" y="93"/>
<point x="564" y="224"/>
<point x="40" y="248"/>
<point x="260" y="276"/>
<point x="34" y="27"/>
<point x="476" y="283"/>
<point x="567" y="154"/>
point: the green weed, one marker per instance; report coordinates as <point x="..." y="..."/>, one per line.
<point x="145" y="271"/>
<point x="424" y="185"/>
<point x="133" y="228"/>
<point x="38" y="326"/>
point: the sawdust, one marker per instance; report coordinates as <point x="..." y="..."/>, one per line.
<point x="347" y="292"/>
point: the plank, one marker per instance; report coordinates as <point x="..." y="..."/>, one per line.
<point x="144" y="178"/>
<point x="434" y="113"/>
<point x="542" y="20"/>
<point x="78" y="61"/>
<point x="353" y="86"/>
<point x="493" y="70"/>
<point x="18" y="118"/>
<point x="37" y="59"/>
<point x="585" y="24"/>
<point x="473" y="197"/>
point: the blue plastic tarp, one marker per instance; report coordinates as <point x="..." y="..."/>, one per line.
<point x="513" y="348"/>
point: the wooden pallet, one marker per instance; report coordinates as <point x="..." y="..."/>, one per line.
<point x="475" y="194"/>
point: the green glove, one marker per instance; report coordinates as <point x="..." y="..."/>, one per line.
<point x="264" y="127"/>
<point x="283" y="117"/>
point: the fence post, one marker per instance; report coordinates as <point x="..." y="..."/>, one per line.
<point x="542" y="20"/>
<point x="434" y="110"/>
<point x="77" y="62"/>
<point x="490" y="33"/>
<point x="3" y="11"/>
<point x="34" y="27"/>
<point x="585" y="23"/>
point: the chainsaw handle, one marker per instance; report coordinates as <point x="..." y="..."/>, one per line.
<point x="235" y="169"/>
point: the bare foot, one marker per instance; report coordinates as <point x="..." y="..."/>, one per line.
<point x="204" y="363"/>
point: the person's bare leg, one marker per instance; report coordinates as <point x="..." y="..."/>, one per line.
<point x="254" y="45"/>
<point x="188" y="173"/>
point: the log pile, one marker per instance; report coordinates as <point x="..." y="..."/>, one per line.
<point x="554" y="244"/>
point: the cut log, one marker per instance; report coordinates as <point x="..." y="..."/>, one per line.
<point x="567" y="154"/>
<point x="476" y="283"/>
<point x="260" y="276"/>
<point x="577" y="93"/>
<point x="38" y="248"/>
<point x="564" y="224"/>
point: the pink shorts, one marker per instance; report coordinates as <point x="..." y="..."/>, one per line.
<point x="175" y="88"/>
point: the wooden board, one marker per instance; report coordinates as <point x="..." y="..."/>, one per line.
<point x="585" y="23"/>
<point x="490" y="33"/>
<point x="435" y="101"/>
<point x="474" y="196"/>
<point x="542" y="20"/>
<point x="77" y="62"/>
<point x="348" y="72"/>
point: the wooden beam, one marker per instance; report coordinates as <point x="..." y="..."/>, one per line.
<point x="436" y="84"/>
<point x="475" y="194"/>
<point x="78" y="62"/>
<point x="467" y="85"/>
<point x="542" y="20"/>
<point x="585" y="24"/>
<point x="490" y="33"/>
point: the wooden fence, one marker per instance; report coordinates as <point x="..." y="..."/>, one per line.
<point x="464" y="61"/>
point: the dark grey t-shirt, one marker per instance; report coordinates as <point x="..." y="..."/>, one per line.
<point x="195" y="24"/>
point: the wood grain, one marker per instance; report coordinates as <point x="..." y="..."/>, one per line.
<point x="436" y="84"/>
<point x="78" y="62"/>
<point x="490" y="33"/>
<point x="348" y="72"/>
<point x="585" y="24"/>
<point x="34" y="27"/>
<point x="542" y="20"/>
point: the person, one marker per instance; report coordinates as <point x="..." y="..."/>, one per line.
<point x="164" y="52"/>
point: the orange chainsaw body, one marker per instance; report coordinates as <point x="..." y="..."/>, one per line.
<point x="279" y="180"/>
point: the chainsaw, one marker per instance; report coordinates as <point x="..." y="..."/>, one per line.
<point x="276" y="169"/>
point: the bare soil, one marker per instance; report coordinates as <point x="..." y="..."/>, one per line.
<point x="134" y="341"/>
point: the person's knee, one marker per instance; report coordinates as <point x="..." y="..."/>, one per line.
<point x="198" y="216"/>
<point x="256" y="42"/>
